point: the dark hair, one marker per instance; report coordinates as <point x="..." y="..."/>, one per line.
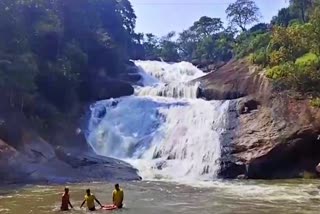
<point x="88" y="190"/>
<point x="66" y="189"/>
<point x="116" y="185"/>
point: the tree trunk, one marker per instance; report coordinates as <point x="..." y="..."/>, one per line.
<point x="243" y="28"/>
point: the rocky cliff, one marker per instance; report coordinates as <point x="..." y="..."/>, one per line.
<point x="272" y="134"/>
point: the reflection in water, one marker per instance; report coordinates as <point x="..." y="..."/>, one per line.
<point x="217" y="197"/>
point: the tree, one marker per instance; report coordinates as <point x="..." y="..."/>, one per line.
<point x="315" y="29"/>
<point x="303" y="6"/>
<point x="57" y="47"/>
<point x="127" y="14"/>
<point x="288" y="44"/>
<point x="284" y="17"/>
<point x="168" y="48"/>
<point x="151" y="46"/>
<point x="243" y="13"/>
<point x="187" y="42"/>
<point x="207" y="26"/>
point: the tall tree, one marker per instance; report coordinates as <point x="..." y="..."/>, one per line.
<point x="303" y="6"/>
<point x="151" y="46"/>
<point x="169" y="48"/>
<point x="207" y="26"/>
<point x="284" y="17"/>
<point x="187" y="44"/>
<point x="243" y="13"/>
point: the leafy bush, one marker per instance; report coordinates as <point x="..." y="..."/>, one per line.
<point x="259" y="58"/>
<point x="251" y="43"/>
<point x="315" y="102"/>
<point x="278" y="57"/>
<point x="309" y="60"/>
<point x="287" y="44"/>
<point x="281" y="71"/>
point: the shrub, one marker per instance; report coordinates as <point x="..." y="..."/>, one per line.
<point x="278" y="57"/>
<point x="281" y="71"/>
<point x="259" y="58"/>
<point x="315" y="102"/>
<point x="309" y="61"/>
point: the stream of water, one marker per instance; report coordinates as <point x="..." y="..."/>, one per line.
<point x="249" y="197"/>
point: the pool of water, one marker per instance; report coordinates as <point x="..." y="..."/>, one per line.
<point x="220" y="197"/>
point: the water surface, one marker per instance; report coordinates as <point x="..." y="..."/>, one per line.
<point x="250" y="197"/>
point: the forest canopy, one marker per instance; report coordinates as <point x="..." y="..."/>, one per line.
<point x="57" y="48"/>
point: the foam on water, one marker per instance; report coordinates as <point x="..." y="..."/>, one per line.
<point x="169" y="73"/>
<point x="163" y="130"/>
<point x="177" y="90"/>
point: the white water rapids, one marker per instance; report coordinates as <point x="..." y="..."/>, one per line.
<point x="163" y="130"/>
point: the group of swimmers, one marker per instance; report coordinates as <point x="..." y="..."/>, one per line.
<point x="90" y="199"/>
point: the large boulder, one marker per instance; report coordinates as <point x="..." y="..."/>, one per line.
<point x="102" y="89"/>
<point x="274" y="134"/>
<point x="231" y="81"/>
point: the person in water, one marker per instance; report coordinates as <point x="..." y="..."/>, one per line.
<point x="65" y="202"/>
<point x="117" y="196"/>
<point x="90" y="198"/>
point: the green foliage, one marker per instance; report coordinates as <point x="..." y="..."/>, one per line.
<point x="309" y="60"/>
<point x="17" y="73"/>
<point x="281" y="71"/>
<point x="243" y="13"/>
<point x="284" y="17"/>
<point x="259" y="58"/>
<point x="53" y="48"/>
<point x="169" y="49"/>
<point x="315" y="31"/>
<point x="287" y="44"/>
<point x="315" y="102"/>
<point x="204" y="42"/>
<point x="251" y="42"/>
<point x="302" y="7"/>
<point x="207" y="26"/>
<point x="302" y="76"/>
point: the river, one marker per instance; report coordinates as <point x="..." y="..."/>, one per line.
<point x="219" y="197"/>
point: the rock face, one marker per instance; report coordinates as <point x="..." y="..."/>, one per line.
<point x="102" y="89"/>
<point x="272" y="134"/>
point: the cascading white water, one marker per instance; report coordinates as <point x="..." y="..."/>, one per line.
<point x="163" y="130"/>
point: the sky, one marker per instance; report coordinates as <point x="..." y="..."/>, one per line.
<point x="162" y="16"/>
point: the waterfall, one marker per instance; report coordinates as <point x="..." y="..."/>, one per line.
<point x="175" y="90"/>
<point x="163" y="130"/>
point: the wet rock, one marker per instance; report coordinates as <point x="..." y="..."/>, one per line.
<point x="131" y="77"/>
<point x="241" y="177"/>
<point x="231" y="81"/>
<point x="161" y="164"/>
<point x="231" y="169"/>
<point x="102" y="89"/>
<point x="276" y="134"/>
<point x="298" y="153"/>
<point x="248" y="105"/>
